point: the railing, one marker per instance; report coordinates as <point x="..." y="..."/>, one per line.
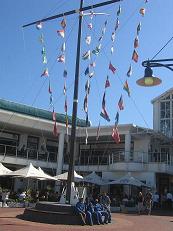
<point x="12" y="151"/>
<point x="130" y="157"/>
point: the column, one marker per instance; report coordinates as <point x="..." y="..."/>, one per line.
<point x="59" y="160"/>
<point x="60" y="154"/>
<point x="127" y="146"/>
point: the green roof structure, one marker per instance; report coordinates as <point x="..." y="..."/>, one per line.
<point x="37" y="112"/>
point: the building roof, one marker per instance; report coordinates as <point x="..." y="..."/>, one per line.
<point x="162" y="95"/>
<point x="36" y="112"/>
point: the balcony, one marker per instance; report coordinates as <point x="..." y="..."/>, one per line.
<point x="137" y="161"/>
<point x="8" y="153"/>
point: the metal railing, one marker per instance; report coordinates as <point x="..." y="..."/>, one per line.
<point x="107" y="159"/>
<point x="32" y="154"/>
<point x="128" y="157"/>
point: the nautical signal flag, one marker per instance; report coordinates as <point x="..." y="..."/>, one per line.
<point x="86" y="55"/>
<point x="126" y="88"/>
<point x="39" y="25"/>
<point x="138" y="28"/>
<point x="54" y="115"/>
<point x="129" y="72"/>
<point x="51" y="99"/>
<point x="45" y="73"/>
<point x="87" y="71"/>
<point x="50" y="90"/>
<point x="142" y="11"/>
<point x="65" y="106"/>
<point x="91" y="74"/>
<point x="107" y="83"/>
<point x="117" y="24"/>
<point x="98" y="131"/>
<point x="85" y="103"/>
<point x="117" y="119"/>
<point x="65" y="73"/>
<point x="63" y="47"/>
<point x="87" y="87"/>
<point x="61" y="33"/>
<point x="135" y="56"/>
<point x="93" y="64"/>
<point x="55" y="129"/>
<point x="90" y="26"/>
<point x="105" y="115"/>
<point x="61" y="59"/>
<point x="112" y="68"/>
<point x="88" y="40"/>
<point x="136" y="42"/>
<point x="64" y="89"/>
<point x="63" y="23"/>
<point x="120" y="103"/>
<point x="116" y="135"/>
<point x="119" y="10"/>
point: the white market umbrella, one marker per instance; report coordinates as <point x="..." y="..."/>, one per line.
<point x="27" y="172"/>
<point x="128" y="180"/>
<point x="64" y="176"/>
<point x="94" y="179"/>
<point x="46" y="176"/>
<point x="3" y="170"/>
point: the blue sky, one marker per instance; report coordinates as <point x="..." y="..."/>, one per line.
<point x="21" y="64"/>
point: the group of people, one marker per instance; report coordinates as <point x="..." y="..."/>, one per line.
<point x="94" y="211"/>
<point x="144" y="201"/>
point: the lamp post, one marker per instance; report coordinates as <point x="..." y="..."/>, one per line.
<point x="149" y="80"/>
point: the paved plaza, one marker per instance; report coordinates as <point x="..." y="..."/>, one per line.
<point x="120" y="222"/>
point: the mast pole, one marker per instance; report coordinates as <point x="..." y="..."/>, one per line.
<point x="74" y="113"/>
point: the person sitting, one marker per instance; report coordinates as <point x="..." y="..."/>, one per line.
<point x="80" y="210"/>
<point x="101" y="212"/>
<point x="5" y="197"/>
<point x="91" y="215"/>
<point x="106" y="202"/>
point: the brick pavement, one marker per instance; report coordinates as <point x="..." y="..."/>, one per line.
<point x="120" y="222"/>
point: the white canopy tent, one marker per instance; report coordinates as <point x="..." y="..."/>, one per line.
<point x="27" y="172"/>
<point x="3" y="170"/>
<point x="94" y="179"/>
<point x="128" y="180"/>
<point x="64" y="176"/>
<point x="47" y="177"/>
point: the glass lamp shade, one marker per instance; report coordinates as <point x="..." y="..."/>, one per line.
<point x="148" y="80"/>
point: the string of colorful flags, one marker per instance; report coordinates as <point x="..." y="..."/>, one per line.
<point x="89" y="71"/>
<point x="45" y="73"/>
<point x="91" y="55"/>
<point x="112" y="68"/>
<point x="62" y="59"/>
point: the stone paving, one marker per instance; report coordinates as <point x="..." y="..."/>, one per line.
<point x="120" y="222"/>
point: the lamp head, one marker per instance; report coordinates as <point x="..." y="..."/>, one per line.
<point x="148" y="80"/>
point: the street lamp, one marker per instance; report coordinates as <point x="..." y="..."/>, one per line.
<point x="149" y="80"/>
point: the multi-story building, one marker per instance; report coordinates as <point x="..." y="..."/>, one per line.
<point x="145" y="153"/>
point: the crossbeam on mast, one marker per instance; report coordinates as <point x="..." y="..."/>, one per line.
<point x="72" y="12"/>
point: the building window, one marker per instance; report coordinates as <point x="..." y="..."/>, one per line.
<point x="52" y="149"/>
<point x="165" y="127"/>
<point x="32" y="146"/>
<point x="165" y="110"/>
<point x="32" y="142"/>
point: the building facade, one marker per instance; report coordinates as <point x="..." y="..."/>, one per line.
<point x="26" y="137"/>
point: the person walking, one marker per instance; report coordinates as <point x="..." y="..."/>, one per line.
<point x="148" y="202"/>
<point x="140" y="200"/>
